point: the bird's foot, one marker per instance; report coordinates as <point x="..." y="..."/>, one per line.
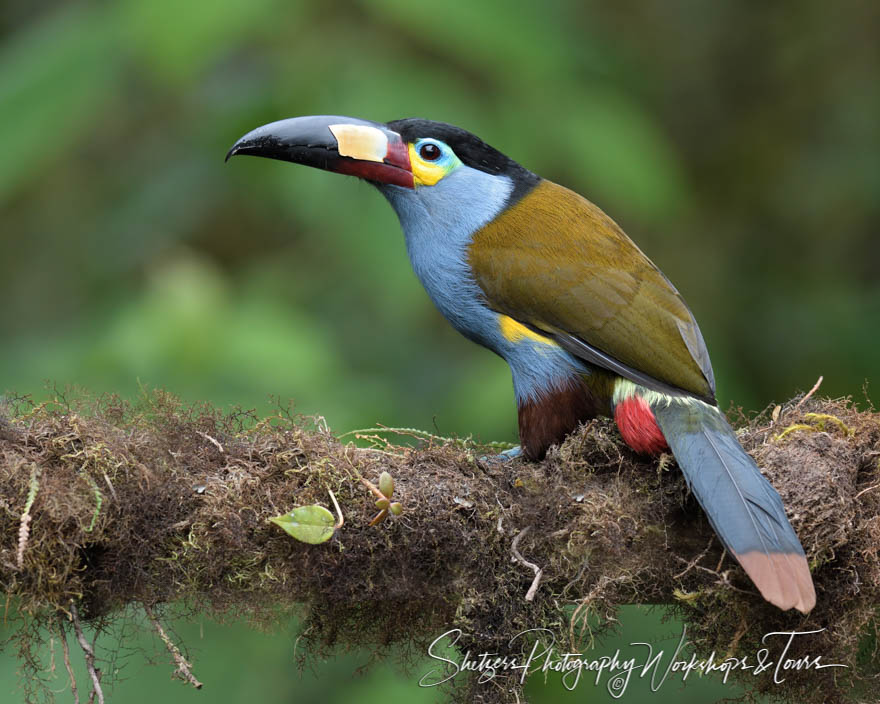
<point x="504" y="456"/>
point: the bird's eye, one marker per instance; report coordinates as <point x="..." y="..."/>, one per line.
<point x="430" y="152"/>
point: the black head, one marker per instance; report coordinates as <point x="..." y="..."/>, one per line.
<point x="470" y="149"/>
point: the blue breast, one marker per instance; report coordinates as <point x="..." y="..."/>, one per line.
<point x="438" y="223"/>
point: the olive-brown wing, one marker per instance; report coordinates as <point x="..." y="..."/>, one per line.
<point x="556" y="262"/>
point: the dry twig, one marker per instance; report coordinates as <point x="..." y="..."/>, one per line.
<point x="89" y="654"/>
<point x="809" y="393"/>
<point x="183" y="670"/>
<point x="213" y="441"/>
<point x="66" y="651"/>
<point x="530" y="594"/>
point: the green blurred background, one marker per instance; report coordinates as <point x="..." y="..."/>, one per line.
<point x="736" y="143"/>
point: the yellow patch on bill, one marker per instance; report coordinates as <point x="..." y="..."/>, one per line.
<point x="514" y="331"/>
<point x="360" y="142"/>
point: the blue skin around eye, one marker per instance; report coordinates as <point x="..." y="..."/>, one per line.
<point x="446" y="154"/>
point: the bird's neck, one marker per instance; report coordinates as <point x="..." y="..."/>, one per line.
<point x="438" y="223"/>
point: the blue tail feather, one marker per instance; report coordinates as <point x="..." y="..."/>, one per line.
<point x="741" y="504"/>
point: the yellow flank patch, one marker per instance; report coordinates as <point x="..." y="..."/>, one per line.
<point x="425" y="173"/>
<point x="514" y="331"/>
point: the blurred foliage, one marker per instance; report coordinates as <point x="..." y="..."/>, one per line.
<point x="736" y="143"/>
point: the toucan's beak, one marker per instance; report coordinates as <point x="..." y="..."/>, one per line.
<point x="346" y="145"/>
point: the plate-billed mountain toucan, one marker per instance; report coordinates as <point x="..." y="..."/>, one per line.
<point x="587" y="323"/>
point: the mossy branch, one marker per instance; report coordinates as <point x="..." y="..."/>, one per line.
<point x="108" y="505"/>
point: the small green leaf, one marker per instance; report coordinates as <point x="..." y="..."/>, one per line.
<point x="396" y="508"/>
<point x="308" y="524"/>
<point x="382" y="504"/>
<point x="386" y="484"/>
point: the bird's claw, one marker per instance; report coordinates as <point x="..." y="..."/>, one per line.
<point x="504" y="456"/>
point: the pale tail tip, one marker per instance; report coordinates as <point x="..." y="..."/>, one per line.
<point x="782" y="578"/>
